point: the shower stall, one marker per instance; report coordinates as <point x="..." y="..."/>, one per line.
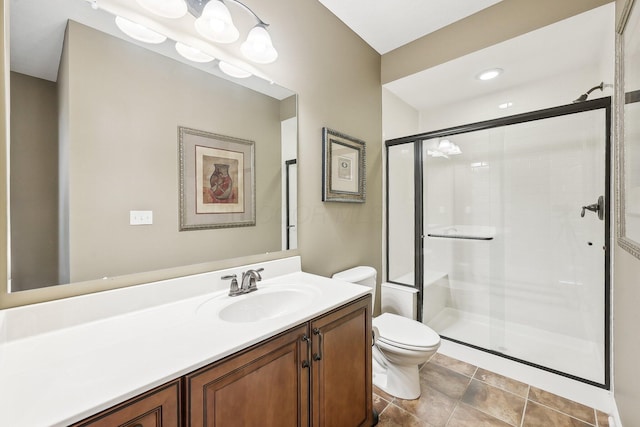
<point x="503" y="228"/>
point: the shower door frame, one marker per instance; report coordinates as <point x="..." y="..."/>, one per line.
<point x="417" y="141"/>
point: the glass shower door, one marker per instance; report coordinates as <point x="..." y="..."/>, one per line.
<point x="555" y="184"/>
<point x="463" y="285"/>
<point x="515" y="247"/>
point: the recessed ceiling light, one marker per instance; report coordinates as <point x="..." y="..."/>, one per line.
<point x="505" y="105"/>
<point x="489" y="74"/>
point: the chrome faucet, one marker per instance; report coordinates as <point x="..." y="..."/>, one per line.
<point x="250" y="278"/>
<point x="249" y="281"/>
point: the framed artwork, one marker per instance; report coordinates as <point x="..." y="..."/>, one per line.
<point x="343" y="168"/>
<point x="217" y="180"/>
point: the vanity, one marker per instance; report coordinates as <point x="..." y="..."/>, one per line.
<point x="182" y="352"/>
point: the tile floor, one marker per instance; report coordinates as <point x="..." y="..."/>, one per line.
<point x="457" y="394"/>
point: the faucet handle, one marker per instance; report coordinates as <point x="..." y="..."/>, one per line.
<point x="233" y="289"/>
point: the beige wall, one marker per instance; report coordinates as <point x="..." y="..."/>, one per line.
<point x="626" y="341"/>
<point x="337" y="78"/>
<point x="34" y="182"/>
<point x="626" y="318"/>
<point x="125" y="106"/>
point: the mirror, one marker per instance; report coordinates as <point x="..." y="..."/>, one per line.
<point x="628" y="128"/>
<point x="94" y="140"/>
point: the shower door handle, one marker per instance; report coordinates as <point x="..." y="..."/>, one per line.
<point x="596" y="207"/>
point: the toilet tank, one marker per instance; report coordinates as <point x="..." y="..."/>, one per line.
<point x="362" y="275"/>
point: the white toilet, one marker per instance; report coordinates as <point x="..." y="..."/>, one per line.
<point x="401" y="344"/>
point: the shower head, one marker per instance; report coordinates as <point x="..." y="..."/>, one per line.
<point x="584" y="96"/>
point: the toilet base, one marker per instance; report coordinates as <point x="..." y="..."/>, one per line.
<point x="400" y="381"/>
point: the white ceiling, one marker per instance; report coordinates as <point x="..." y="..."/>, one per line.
<point x="388" y="24"/>
<point x="37" y="33"/>
<point x="385" y="25"/>
<point x="557" y="49"/>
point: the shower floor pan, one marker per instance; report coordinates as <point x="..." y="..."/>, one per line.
<point x="569" y="355"/>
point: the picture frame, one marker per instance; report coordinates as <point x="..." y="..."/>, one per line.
<point x="343" y="167"/>
<point x="217" y="180"/>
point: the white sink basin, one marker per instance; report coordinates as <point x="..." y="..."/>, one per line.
<point x="267" y="302"/>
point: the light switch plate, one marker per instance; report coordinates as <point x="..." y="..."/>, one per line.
<point x="140" y="217"/>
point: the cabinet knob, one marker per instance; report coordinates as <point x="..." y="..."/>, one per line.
<point x="305" y="363"/>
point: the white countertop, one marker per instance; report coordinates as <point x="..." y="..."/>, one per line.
<point x="58" y="371"/>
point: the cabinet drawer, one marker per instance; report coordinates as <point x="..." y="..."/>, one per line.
<point x="159" y="407"/>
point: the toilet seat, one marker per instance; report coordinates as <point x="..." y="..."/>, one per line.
<point x="403" y="348"/>
<point x="401" y="332"/>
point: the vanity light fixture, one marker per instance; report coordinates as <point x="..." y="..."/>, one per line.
<point x="138" y="31"/>
<point x="445" y="148"/>
<point x="192" y="54"/>
<point x="489" y="74"/>
<point x="172" y="9"/>
<point x="436" y="153"/>
<point x="213" y="22"/>
<point x="216" y="24"/>
<point x="233" y="71"/>
<point x="258" y="46"/>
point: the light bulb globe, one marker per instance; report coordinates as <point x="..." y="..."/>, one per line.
<point x="139" y="32"/>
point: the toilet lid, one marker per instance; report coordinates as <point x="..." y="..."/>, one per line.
<point x="401" y="331"/>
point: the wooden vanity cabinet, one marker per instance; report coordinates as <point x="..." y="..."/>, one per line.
<point x="316" y="374"/>
<point x="341" y="367"/>
<point x="159" y="407"/>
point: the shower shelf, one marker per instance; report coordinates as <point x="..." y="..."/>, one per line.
<point x="466" y="232"/>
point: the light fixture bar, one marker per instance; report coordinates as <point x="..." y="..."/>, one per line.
<point x="171" y="9"/>
<point x="248" y="9"/>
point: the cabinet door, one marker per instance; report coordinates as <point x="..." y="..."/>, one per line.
<point x="265" y="385"/>
<point x="157" y="408"/>
<point x="341" y="367"/>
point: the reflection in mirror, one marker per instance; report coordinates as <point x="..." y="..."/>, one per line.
<point x="94" y="136"/>
<point x="632" y="160"/>
<point x="629" y="139"/>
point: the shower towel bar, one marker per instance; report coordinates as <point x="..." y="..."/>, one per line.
<point x="469" y="232"/>
<point x="460" y="236"/>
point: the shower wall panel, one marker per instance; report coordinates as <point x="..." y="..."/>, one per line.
<point x="401" y="213"/>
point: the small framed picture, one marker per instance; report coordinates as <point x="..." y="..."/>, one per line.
<point x="217" y="181"/>
<point x="343" y="169"/>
